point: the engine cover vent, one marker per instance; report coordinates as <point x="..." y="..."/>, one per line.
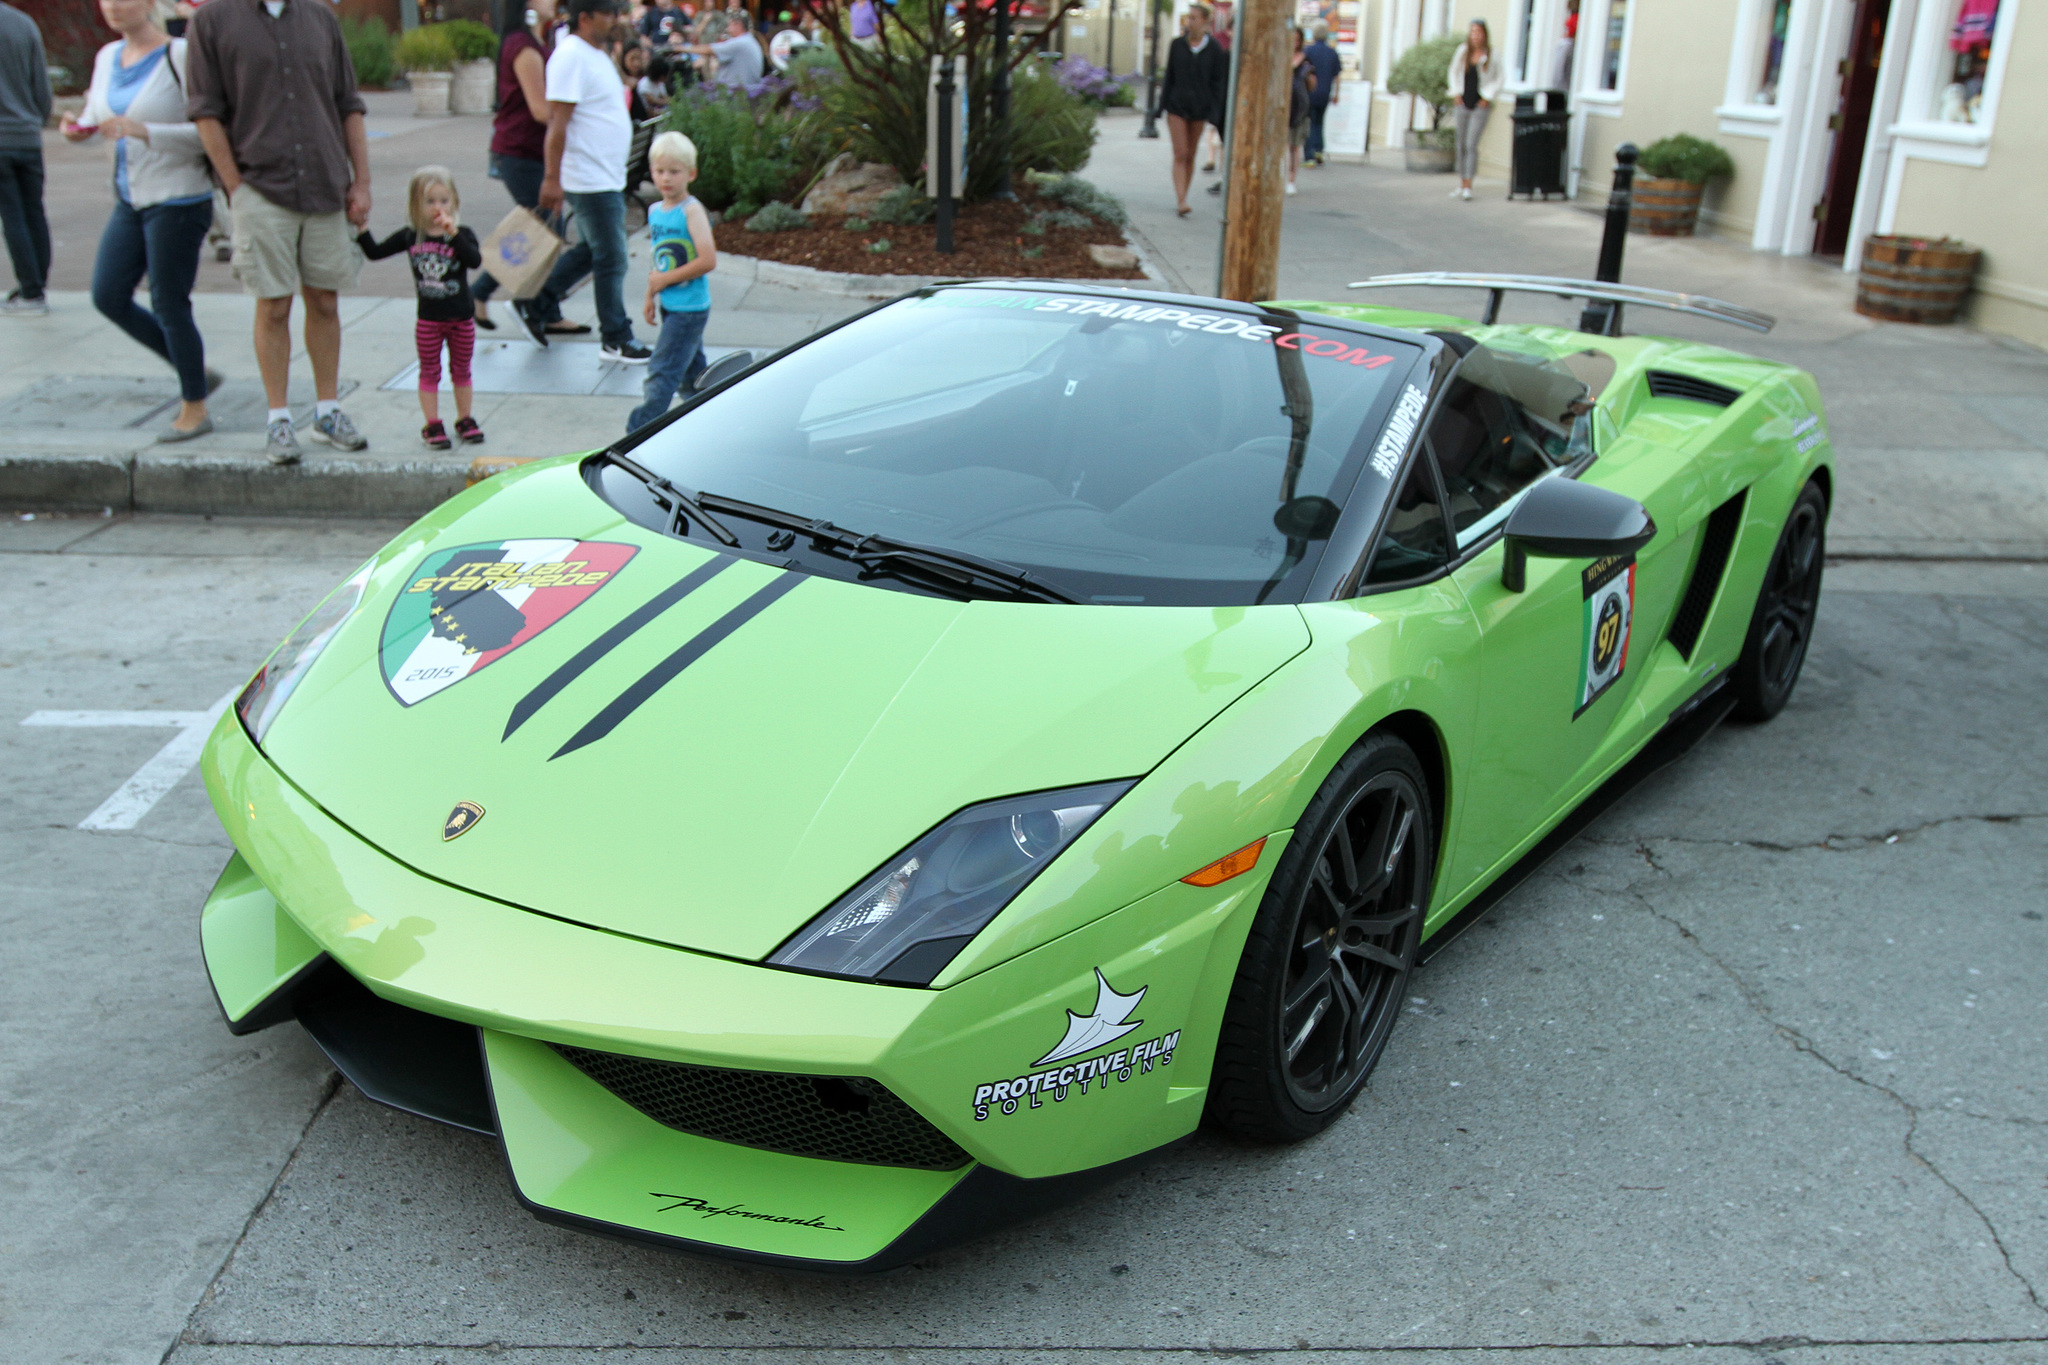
<point x="1666" y="384"/>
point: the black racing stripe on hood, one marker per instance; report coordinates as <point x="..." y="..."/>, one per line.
<point x="658" y="677"/>
<point x="604" y="644"/>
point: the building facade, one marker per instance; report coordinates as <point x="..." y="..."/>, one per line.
<point x="1843" y="117"/>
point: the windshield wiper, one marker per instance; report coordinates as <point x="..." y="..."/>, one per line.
<point x="954" y="570"/>
<point x="679" y="505"/>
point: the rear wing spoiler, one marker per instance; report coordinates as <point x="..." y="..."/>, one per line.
<point x="1599" y="291"/>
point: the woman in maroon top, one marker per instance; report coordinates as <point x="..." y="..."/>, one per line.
<point x="519" y="131"/>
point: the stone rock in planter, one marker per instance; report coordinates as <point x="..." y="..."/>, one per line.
<point x="1664" y="208"/>
<point x="429" y="93"/>
<point x="850" y="187"/>
<point x="1113" y="257"/>
<point x="474" y="88"/>
<point x="1425" y="151"/>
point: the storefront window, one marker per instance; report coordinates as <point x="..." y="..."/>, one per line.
<point x="1959" y="83"/>
<point x="1773" y="55"/>
<point x="1610" y="52"/>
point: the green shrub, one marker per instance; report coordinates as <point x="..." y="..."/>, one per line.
<point x="472" y="41"/>
<point x="903" y="206"/>
<point x="1037" y="223"/>
<point x="370" y="49"/>
<point x="1424" y="71"/>
<point x="879" y="245"/>
<point x="746" y="156"/>
<point x="426" y="49"/>
<point x="1685" y="157"/>
<point x="855" y="225"/>
<point x="777" y="217"/>
<point x="1051" y="128"/>
<point x="1080" y="194"/>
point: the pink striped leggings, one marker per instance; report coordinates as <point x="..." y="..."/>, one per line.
<point x="428" y="335"/>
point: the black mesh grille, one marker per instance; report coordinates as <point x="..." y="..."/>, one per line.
<point x="1665" y="384"/>
<point x="838" y="1118"/>
<point x="1715" y="542"/>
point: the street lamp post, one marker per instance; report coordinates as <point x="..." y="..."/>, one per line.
<point x="943" y="171"/>
<point x="1151" y="128"/>
<point x="999" y="103"/>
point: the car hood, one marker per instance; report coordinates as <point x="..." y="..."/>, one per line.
<point x="703" y="750"/>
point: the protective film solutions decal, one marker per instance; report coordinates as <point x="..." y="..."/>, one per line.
<point x="1610" y="610"/>
<point x="467" y="607"/>
<point x="1108" y="1022"/>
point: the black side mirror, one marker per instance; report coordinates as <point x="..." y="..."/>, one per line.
<point x="1566" y="519"/>
<point x="723" y="369"/>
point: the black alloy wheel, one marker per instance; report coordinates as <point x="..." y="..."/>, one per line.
<point x="1781" y="627"/>
<point x="1327" y="959"/>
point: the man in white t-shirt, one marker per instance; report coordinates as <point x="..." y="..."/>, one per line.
<point x="738" y="55"/>
<point x="589" y="136"/>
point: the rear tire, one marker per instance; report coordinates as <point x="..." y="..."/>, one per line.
<point x="1320" y="985"/>
<point x="1781" y="626"/>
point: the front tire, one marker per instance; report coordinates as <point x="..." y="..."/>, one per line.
<point x="1781" y="626"/>
<point x="1320" y="985"/>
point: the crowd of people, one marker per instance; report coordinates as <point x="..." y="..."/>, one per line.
<point x="244" y="120"/>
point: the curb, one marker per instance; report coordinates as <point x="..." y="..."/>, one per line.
<point x="89" y="480"/>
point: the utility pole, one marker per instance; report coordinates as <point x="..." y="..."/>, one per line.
<point x="1151" y="128"/>
<point x="1254" y="188"/>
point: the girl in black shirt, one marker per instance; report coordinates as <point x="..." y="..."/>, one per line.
<point x="1197" y="85"/>
<point x="441" y="253"/>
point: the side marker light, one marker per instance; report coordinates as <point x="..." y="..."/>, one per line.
<point x="1223" y="869"/>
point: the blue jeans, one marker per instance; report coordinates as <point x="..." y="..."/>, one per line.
<point x="162" y="242"/>
<point x="21" y="214"/>
<point x="678" y="360"/>
<point x="1316" y="113"/>
<point x="601" y="254"/>
<point x="522" y="177"/>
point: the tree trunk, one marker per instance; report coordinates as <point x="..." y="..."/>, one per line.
<point x="1258" y="153"/>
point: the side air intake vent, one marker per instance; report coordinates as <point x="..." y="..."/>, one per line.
<point x="1665" y="384"/>
<point x="837" y="1118"/>
<point x="1716" y="540"/>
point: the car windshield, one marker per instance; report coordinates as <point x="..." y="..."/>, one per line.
<point x="1120" y="450"/>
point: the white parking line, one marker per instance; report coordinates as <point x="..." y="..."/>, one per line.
<point x="164" y="771"/>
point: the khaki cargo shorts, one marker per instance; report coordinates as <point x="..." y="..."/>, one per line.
<point x="278" y="251"/>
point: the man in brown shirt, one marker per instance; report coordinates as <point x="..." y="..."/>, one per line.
<point x="270" y="84"/>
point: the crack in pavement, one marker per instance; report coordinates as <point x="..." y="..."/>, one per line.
<point x="1831" y="843"/>
<point x="1801" y="1043"/>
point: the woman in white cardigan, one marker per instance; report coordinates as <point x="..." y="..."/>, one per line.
<point x="1475" y="84"/>
<point x="163" y="200"/>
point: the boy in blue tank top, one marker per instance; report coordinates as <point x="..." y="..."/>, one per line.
<point x="678" y="295"/>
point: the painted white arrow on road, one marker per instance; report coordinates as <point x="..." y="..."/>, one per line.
<point x="163" y="772"/>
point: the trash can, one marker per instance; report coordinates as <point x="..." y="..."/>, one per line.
<point x="1541" y="138"/>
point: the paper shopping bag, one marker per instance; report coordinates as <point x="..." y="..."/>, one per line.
<point x="520" y="252"/>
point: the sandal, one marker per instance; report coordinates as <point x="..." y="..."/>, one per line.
<point x="436" y="436"/>
<point x="1183" y="210"/>
<point x="469" y="431"/>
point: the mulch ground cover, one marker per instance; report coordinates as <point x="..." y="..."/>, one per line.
<point x="988" y="239"/>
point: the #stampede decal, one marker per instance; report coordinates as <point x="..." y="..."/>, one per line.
<point x="1109" y="1021"/>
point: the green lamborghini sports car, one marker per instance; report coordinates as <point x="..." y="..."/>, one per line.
<point x="946" y="762"/>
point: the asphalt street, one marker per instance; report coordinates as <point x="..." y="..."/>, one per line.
<point x="1751" y="1072"/>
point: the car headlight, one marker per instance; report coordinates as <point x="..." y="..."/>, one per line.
<point x="274" y="683"/>
<point x="913" y="916"/>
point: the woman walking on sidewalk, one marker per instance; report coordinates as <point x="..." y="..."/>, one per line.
<point x="1197" y="74"/>
<point x="1475" y="84"/>
<point x="519" y="133"/>
<point x="163" y="200"/>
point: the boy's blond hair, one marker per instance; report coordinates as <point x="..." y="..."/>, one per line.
<point x="675" y="147"/>
<point x="416" y="197"/>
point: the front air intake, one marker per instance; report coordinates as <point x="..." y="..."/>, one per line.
<point x="1666" y="384"/>
<point x="837" y="1118"/>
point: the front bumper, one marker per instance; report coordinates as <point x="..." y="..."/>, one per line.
<point x="306" y="900"/>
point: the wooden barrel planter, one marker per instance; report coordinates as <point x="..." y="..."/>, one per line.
<point x="1664" y="208"/>
<point x="1915" y="279"/>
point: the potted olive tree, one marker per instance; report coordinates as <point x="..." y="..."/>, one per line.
<point x="1671" y="174"/>
<point x="475" y="87"/>
<point x="1424" y="71"/>
<point x="427" y="58"/>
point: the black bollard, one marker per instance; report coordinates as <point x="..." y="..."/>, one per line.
<point x="999" y="102"/>
<point x="942" y="173"/>
<point x="1601" y="317"/>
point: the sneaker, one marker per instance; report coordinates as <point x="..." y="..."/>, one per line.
<point x="338" y="431"/>
<point x="282" y="445"/>
<point x="1458" y="193"/>
<point x="436" y="436"/>
<point x="469" y="431"/>
<point x="1464" y="194"/>
<point x="1290" y="187"/>
<point x="16" y="305"/>
<point x="536" y="331"/>
<point x="628" y="352"/>
<point x="1216" y="188"/>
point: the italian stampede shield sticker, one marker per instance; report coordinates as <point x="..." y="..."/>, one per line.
<point x="474" y="604"/>
<point x="1610" y="587"/>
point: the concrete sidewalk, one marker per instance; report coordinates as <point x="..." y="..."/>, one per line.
<point x="80" y="403"/>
